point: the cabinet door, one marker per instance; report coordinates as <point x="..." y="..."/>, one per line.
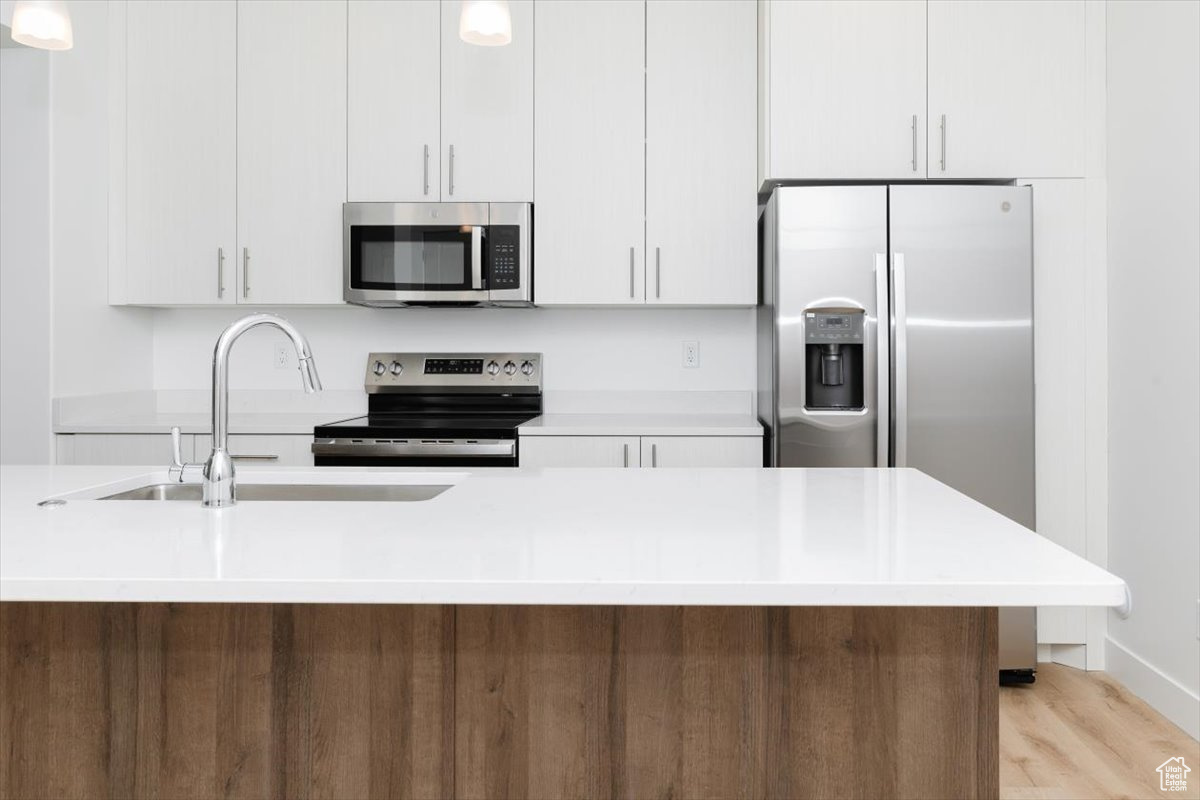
<point x="137" y="449"/>
<point x="1059" y="340"/>
<point x="181" y="151"/>
<point x="589" y="174"/>
<point x="487" y="112"/>
<point x="847" y="89"/>
<point x="394" y="101"/>
<point x="702" y="451"/>
<point x="276" y="450"/>
<point x="701" y="163"/>
<point x="1008" y="78"/>
<point x="291" y="98"/>
<point x="579" y="451"/>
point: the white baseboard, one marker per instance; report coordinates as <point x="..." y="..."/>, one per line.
<point x="1163" y="693"/>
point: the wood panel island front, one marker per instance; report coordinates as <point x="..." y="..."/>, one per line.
<point x="525" y="634"/>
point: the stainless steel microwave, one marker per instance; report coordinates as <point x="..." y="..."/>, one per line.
<point x="427" y="254"/>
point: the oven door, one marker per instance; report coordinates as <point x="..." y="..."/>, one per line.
<point x="367" y="452"/>
<point x="399" y="254"/>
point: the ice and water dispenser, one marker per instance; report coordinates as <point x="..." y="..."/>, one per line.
<point x="833" y="349"/>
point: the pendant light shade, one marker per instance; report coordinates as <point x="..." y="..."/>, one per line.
<point x="485" y="22"/>
<point x="44" y="24"/>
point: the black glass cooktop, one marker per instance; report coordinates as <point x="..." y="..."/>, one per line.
<point x="398" y="426"/>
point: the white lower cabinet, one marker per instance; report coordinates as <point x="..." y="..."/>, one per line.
<point x="281" y="450"/>
<point x="580" y="451"/>
<point x="154" y="449"/>
<point x="702" y="451"/>
<point x="641" y="451"/>
<point x="140" y="449"/>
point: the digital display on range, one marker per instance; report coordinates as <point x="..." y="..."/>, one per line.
<point x="454" y="366"/>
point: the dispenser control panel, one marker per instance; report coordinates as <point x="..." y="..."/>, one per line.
<point x="834" y="326"/>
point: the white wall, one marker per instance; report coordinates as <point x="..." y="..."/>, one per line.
<point x="1154" y="330"/>
<point x="585" y="349"/>
<point x="24" y="255"/>
<point x="96" y="347"/>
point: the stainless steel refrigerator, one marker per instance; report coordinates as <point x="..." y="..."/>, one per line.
<point x="896" y="329"/>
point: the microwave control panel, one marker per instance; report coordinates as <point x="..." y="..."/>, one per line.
<point x="504" y="252"/>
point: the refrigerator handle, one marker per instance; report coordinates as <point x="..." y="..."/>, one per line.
<point x="882" y="362"/>
<point x="900" y="353"/>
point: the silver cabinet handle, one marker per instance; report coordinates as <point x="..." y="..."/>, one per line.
<point x="245" y="272"/>
<point x="220" y="272"/>
<point x="626" y="448"/>
<point x="658" y="272"/>
<point x="900" y="343"/>
<point x="943" y="127"/>
<point x="883" y="357"/>
<point x="653" y="455"/>
<point x="914" y="142"/>
<point x="631" y="271"/>
<point x="426" y="169"/>
<point x="451" y="170"/>
<point x="254" y="457"/>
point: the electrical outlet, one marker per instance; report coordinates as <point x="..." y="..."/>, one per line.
<point x="691" y="355"/>
<point x="282" y="359"/>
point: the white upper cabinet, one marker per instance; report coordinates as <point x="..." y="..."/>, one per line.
<point x="846" y="91"/>
<point x="487" y="112"/>
<point x="394" y="103"/>
<point x="181" y="140"/>
<point x="589" y="173"/>
<point x="701" y="164"/>
<point x="1008" y="79"/>
<point x="291" y="146"/>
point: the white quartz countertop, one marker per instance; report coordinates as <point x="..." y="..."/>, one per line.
<point x="573" y="536"/>
<point x="291" y="423"/>
<point x="642" y="425"/>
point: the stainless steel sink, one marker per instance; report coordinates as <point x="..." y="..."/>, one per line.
<point x="367" y="492"/>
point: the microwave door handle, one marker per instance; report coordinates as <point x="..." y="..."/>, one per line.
<point x="476" y="257"/>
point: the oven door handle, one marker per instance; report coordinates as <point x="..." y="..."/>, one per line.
<point x="476" y="256"/>
<point x="445" y="448"/>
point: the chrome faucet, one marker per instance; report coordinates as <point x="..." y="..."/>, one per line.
<point x="219" y="487"/>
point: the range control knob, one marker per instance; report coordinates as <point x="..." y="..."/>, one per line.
<point x="379" y="368"/>
<point x="492" y="368"/>
<point x="527" y="368"/>
<point x="397" y="368"/>
<point x="510" y="368"/>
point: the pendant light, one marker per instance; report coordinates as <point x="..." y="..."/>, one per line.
<point x="485" y="22"/>
<point x="44" y="24"/>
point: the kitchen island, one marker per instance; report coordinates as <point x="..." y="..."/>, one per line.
<point x="525" y="633"/>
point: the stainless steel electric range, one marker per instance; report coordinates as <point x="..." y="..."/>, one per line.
<point x="437" y="410"/>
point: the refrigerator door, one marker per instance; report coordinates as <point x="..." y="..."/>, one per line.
<point x="962" y="317"/>
<point x="962" y="273"/>
<point x="831" y="253"/>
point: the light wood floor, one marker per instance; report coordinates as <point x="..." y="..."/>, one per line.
<point x="1077" y="734"/>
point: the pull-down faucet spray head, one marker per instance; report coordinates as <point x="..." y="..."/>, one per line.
<point x="308" y="372"/>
